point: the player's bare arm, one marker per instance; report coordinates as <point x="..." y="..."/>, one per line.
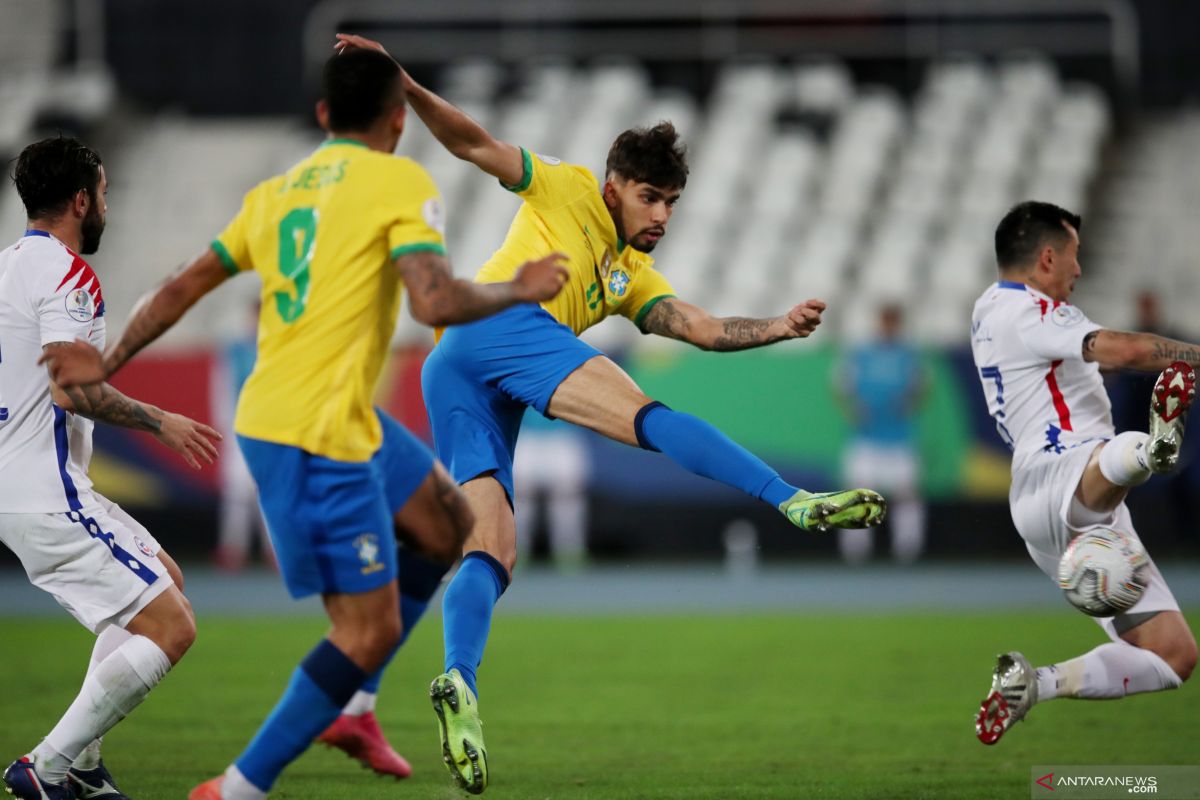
<point x="160" y="308"/>
<point x="462" y="136"/>
<point x="1145" y="351"/>
<point x="103" y="403"/>
<point x="676" y="319"/>
<point x="438" y="298"/>
<point x="78" y="363"/>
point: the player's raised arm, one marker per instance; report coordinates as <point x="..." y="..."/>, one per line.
<point x="437" y="298"/>
<point x="1145" y="351"/>
<point x="675" y="319"/>
<point x="462" y="136"/>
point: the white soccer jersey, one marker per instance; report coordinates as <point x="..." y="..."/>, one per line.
<point x="47" y="294"/>
<point x="1029" y="352"/>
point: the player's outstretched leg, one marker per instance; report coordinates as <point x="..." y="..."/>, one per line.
<point x="599" y="395"/>
<point x="1154" y="656"/>
<point x="1170" y="400"/>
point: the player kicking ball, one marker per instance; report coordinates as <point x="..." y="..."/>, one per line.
<point x="481" y="377"/>
<point x="97" y="561"/>
<point x="1039" y="359"/>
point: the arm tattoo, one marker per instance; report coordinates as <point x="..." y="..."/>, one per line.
<point x="740" y="333"/>
<point x="1089" y="344"/>
<point x="665" y="319"/>
<point x="101" y="402"/>
<point x="1170" y="350"/>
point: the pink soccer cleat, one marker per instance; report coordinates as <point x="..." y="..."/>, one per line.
<point x="362" y="739"/>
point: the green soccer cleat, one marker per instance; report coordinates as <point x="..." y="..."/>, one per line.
<point x="854" y="508"/>
<point x="462" y="732"/>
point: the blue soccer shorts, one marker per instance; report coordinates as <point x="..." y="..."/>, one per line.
<point x="480" y="378"/>
<point x="331" y="521"/>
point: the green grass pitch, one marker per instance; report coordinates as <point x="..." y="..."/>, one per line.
<point x="764" y="706"/>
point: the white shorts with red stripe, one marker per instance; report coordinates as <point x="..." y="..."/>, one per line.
<point x="1046" y="514"/>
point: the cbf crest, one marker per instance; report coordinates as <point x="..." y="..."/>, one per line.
<point x="618" y="283"/>
<point x="367" y="545"/>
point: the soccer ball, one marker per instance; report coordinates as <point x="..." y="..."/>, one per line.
<point x="1103" y="572"/>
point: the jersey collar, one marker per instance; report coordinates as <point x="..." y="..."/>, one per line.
<point x="1012" y="285"/>
<point x="38" y="233"/>
<point x="343" y="140"/>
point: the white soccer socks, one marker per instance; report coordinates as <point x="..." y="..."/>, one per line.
<point x="109" y="640"/>
<point x="114" y="688"/>
<point x="1110" y="671"/>
<point x="1123" y="460"/>
<point x="237" y="787"/>
<point x="361" y="703"/>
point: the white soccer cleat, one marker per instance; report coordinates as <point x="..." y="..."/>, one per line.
<point x="1014" y="691"/>
<point x="1170" y="399"/>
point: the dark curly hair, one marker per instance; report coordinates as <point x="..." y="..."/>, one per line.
<point x="51" y="172"/>
<point x="650" y="155"/>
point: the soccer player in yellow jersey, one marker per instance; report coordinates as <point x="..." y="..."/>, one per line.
<point x="333" y="240"/>
<point x="480" y="378"/>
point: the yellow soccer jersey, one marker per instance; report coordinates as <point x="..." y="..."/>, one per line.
<point x="564" y="211"/>
<point x="323" y="238"/>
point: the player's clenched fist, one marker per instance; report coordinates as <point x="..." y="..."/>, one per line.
<point x="803" y="319"/>
<point x="538" y="281"/>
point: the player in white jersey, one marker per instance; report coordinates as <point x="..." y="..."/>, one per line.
<point x="1039" y="359"/>
<point x="97" y="562"/>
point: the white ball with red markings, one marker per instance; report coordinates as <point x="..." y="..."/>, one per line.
<point x="1104" y="572"/>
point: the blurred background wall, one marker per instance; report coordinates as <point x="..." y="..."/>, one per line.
<point x="861" y="152"/>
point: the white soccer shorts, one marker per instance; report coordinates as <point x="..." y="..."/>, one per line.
<point x="1041" y="500"/>
<point x="99" y="563"/>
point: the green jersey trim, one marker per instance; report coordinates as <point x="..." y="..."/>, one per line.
<point x="226" y="260"/>
<point x="418" y="247"/>
<point x="526" y="174"/>
<point x="645" y="309"/>
<point x="344" y="140"/>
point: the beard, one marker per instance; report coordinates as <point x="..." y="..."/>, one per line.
<point x="92" y="229"/>
<point x="644" y="246"/>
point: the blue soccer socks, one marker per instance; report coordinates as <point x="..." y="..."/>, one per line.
<point x="467" y="611"/>
<point x="700" y="448"/>
<point x="323" y="683"/>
